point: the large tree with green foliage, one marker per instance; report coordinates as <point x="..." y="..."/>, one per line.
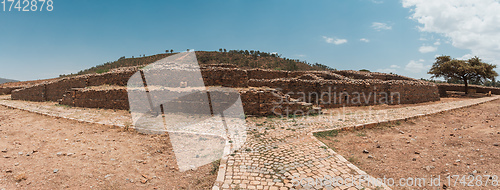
<point x="465" y="70"/>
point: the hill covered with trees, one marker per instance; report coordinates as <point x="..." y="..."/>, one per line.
<point x="241" y="58"/>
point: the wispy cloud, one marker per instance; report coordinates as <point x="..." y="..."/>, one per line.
<point x="334" y="41"/>
<point x="391" y="69"/>
<point x="437" y="43"/>
<point x="427" y="49"/>
<point x="381" y="26"/>
<point x="417" y="66"/>
<point x="472" y="25"/>
<point x="376" y="2"/>
<point x="364" y="40"/>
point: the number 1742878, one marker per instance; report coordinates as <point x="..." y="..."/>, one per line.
<point x="27" y="5"/>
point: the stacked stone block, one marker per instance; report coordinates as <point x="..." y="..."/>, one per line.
<point x="256" y="101"/>
<point x="7" y="90"/>
<point x="299" y="88"/>
<point x="443" y="87"/>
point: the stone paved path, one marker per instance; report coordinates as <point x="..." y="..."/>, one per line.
<point x="279" y="153"/>
<point x="284" y="154"/>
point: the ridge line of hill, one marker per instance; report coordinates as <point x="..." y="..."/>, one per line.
<point x="242" y="58"/>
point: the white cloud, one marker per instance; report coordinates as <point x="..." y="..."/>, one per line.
<point x="427" y="49"/>
<point x="417" y="66"/>
<point x="381" y="26"/>
<point x="472" y="25"/>
<point x="364" y="40"/>
<point x="466" y="57"/>
<point x="391" y="69"/>
<point x="334" y="41"/>
<point x="376" y="2"/>
<point x="437" y="43"/>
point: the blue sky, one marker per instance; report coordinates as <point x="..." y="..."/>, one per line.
<point x="386" y="36"/>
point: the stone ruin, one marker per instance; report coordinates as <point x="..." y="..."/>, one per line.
<point x="263" y="92"/>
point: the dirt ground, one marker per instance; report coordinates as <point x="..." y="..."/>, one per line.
<point x="460" y="148"/>
<point x="41" y="152"/>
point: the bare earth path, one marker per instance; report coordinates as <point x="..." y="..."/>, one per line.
<point x="40" y="152"/>
<point x="279" y="153"/>
<point x="457" y="149"/>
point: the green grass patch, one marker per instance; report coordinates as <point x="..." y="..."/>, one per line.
<point x="352" y="159"/>
<point x="100" y="71"/>
<point x="215" y="167"/>
<point x="323" y="134"/>
<point x="62" y="105"/>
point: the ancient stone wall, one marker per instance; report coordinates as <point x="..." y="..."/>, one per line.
<point x="119" y="78"/>
<point x="90" y="98"/>
<point x="274" y="74"/>
<point x="266" y="74"/>
<point x="323" y="88"/>
<point x="322" y="74"/>
<point x="414" y="91"/>
<point x="335" y="93"/>
<point x="256" y="101"/>
<point x="443" y="87"/>
<point x="370" y="75"/>
<point x="265" y="101"/>
<point x="33" y="93"/>
<point x="53" y="90"/>
<point x="227" y="77"/>
<point x="7" y="90"/>
<point x="220" y="65"/>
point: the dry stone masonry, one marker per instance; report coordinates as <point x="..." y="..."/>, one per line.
<point x="443" y="87"/>
<point x="263" y="92"/>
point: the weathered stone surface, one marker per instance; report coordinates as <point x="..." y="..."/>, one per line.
<point x="256" y="101"/>
<point x="443" y="87"/>
<point x="263" y="92"/>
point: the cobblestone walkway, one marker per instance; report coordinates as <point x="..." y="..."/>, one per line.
<point x="284" y="154"/>
<point x="279" y="153"/>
